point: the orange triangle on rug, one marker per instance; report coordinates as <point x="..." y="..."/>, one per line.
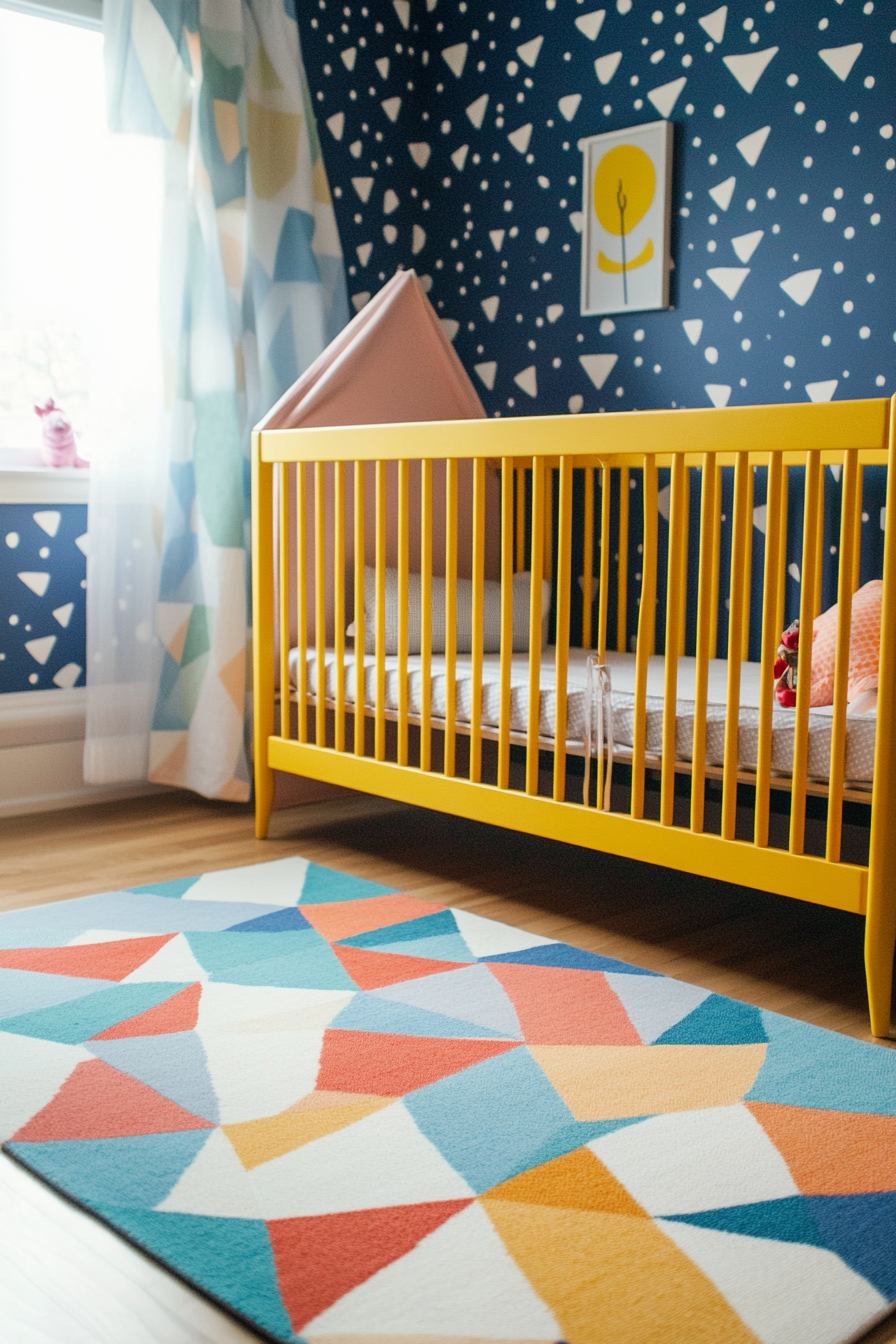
<point x="98" y="1102"/>
<point x="179" y="1013"/>
<point x="390" y="1066"/>
<point x="376" y="970"/>
<point x="320" y="1259"/>
<point x="96" y="961"/>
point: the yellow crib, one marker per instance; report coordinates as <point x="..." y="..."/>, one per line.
<point x="456" y="507"/>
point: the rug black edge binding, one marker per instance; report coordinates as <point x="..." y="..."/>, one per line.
<point x="144" y="1250"/>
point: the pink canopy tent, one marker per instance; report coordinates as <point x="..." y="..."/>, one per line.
<point x="392" y="364"/>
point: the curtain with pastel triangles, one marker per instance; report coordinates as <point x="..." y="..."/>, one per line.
<point x="253" y="290"/>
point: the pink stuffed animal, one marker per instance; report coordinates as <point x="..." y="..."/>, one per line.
<point x="58" y="447"/>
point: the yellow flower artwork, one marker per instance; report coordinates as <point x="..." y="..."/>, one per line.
<point x="624" y="188"/>
<point x="626" y="219"/>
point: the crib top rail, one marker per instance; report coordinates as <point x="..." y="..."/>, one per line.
<point x="625" y="437"/>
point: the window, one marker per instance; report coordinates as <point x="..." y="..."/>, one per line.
<point x="78" y="203"/>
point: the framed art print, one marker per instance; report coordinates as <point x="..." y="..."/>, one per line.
<point x="626" y="209"/>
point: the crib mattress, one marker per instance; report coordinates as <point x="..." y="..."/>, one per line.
<point x="860" y="734"/>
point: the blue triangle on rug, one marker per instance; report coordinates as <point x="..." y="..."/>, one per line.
<point x="717" y="1021"/>
<point x="574" y="958"/>
<point x="230" y="1258"/>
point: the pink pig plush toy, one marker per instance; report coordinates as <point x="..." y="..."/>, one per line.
<point x="58" y="447"/>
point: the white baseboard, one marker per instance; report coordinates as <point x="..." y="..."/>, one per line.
<point x="42" y="755"/>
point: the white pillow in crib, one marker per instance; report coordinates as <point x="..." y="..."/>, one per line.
<point x="491" y="613"/>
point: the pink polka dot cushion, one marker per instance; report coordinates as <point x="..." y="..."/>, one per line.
<point x="864" y="651"/>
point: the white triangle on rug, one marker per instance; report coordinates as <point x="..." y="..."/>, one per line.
<point x="693" y="329"/>
<point x="470" y="995"/>
<point x="718" y="393"/>
<point x="301" y="1019"/>
<point x="215" y="1185"/>
<point x="689" y="1161"/>
<point x="279" y="882"/>
<point x="227" y="1007"/>
<point x="259" y="1074"/>
<point x="174" y="961"/>
<point x="749" y="69"/>
<point x="105" y="936"/>
<point x="381" y="1161"/>
<point x="788" y="1293"/>
<point x="458" y="1281"/>
<point x="33" y="1072"/>
<point x="488" y="938"/>
<point x="654" y="1004"/>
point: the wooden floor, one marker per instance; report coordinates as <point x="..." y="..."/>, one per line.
<point x="64" y="1279"/>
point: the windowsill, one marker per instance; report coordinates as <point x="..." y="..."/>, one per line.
<point x="27" y="483"/>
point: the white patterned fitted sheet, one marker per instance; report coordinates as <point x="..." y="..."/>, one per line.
<point x="859" y="736"/>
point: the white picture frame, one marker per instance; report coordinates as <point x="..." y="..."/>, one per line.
<point x="626" y="219"/>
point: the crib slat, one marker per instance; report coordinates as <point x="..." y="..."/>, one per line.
<point x="547" y="533"/>
<point x="848" y="484"/>
<point x="742" y="524"/>
<point x="707" y="604"/>
<point x="857" y="529"/>
<point x="775" y="561"/>
<point x="603" y="602"/>
<point x="684" y="560"/>
<point x="819" y="546"/>
<point x="783" y="530"/>
<point x="320" y="602"/>
<point x="339" y="599"/>
<point x="804" y="684"/>
<point x="715" y="574"/>
<point x="588" y="559"/>
<point x="646" y="633"/>
<point x="426" y="615"/>
<point x="380" y="703"/>
<point x="451" y="502"/>
<point x="404" y="509"/>
<point x="561" y="639"/>
<point x="478" y="616"/>
<point x="282" y="476"/>
<point x="622" y="563"/>
<point x="507" y="558"/>
<point x="747" y="599"/>
<point x="520" y="518"/>
<point x="535" y="606"/>
<point x="675" y="591"/>
<point x="302" y="594"/>
<point x="360" y="621"/>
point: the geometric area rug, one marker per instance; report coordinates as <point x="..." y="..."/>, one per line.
<point x="349" y="1115"/>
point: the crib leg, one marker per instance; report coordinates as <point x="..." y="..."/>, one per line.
<point x="880" y="943"/>
<point x="264" y="799"/>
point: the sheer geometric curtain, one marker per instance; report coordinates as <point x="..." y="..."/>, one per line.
<point x="253" y="288"/>
<point x="129" y="462"/>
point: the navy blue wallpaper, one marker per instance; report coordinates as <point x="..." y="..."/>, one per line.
<point x="450" y="136"/>
<point x="43" y="582"/>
